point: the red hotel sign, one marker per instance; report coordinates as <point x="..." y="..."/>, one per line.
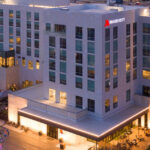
<point x="108" y="22"/>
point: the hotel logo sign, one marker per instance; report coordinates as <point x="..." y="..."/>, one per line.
<point x="108" y="22"/>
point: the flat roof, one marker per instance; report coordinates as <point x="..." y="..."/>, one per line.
<point x="88" y="127"/>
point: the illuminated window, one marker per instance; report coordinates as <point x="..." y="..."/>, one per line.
<point x="23" y="61"/>
<point x="30" y="65"/>
<point x="146" y="74"/>
<point x="11" y="13"/>
<point x="52" y="95"/>
<point x="107" y="73"/>
<point x="37" y="65"/>
<point x="11" y="40"/>
<point x="115" y="101"/>
<point x="107" y="59"/>
<point x="10" y="61"/>
<point x="107" y="105"/>
<point x="11" y="47"/>
<point x="1" y="61"/>
<point x="128" y="65"/>
<point x="115" y="70"/>
<point x="18" y="40"/>
<point x="63" y="97"/>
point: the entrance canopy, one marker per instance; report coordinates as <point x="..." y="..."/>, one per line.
<point x="88" y="127"/>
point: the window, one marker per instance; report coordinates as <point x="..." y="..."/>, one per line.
<point x="63" y="98"/>
<point x="91" y="85"/>
<point x="52" y="95"/>
<point x="91" y="105"/>
<point x="11" y="47"/>
<point x="146" y="74"/>
<point x="10" y="22"/>
<point x="62" y="43"/>
<point x="91" y="60"/>
<point x="134" y="51"/>
<point x="107" y="47"/>
<point x="115" y="70"/>
<point x="146" y="39"/>
<point x="79" y="58"/>
<point x="23" y="61"/>
<point x="63" y="67"/>
<point x="107" y="59"/>
<point x="115" y="58"/>
<point x="18" y="49"/>
<point x="18" y="40"/>
<point x="52" y="41"/>
<point x="28" y="14"/>
<point x="36" y="44"/>
<point x="127" y="53"/>
<point x="18" y="24"/>
<point x="11" y="40"/>
<point x="36" y="25"/>
<point x="18" y="14"/>
<point x="115" y="32"/>
<point x="128" y="42"/>
<point x="146" y="62"/>
<point x="28" y="24"/>
<point x="1" y="29"/>
<point x="28" y="51"/>
<point x="115" y="45"/>
<point x="115" y="101"/>
<point x="146" y="91"/>
<point x="51" y="52"/>
<point x="60" y="28"/>
<point x="30" y="65"/>
<point x="79" y="32"/>
<point x="134" y="28"/>
<point x="37" y="64"/>
<point x="146" y="28"/>
<point x="17" y="32"/>
<point x="78" y="45"/>
<point x="128" y="76"/>
<point x="78" y="82"/>
<point x="48" y="27"/>
<point x="107" y="105"/>
<point x="128" y="93"/>
<point x="63" y="55"/>
<point x="115" y="82"/>
<point x="11" y="14"/>
<point x="28" y="33"/>
<point x="36" y="53"/>
<point x="52" y="76"/>
<point x="79" y="70"/>
<point x="29" y="42"/>
<point x="107" y="34"/>
<point x="128" y="65"/>
<point x="91" y="47"/>
<point x="52" y="64"/>
<point x="1" y="21"/>
<point x="134" y="62"/>
<point x="36" y="35"/>
<point x="146" y="50"/>
<point x="107" y="73"/>
<point x="134" y="74"/>
<point x="1" y="37"/>
<point x="79" y="102"/>
<point x="91" y="34"/>
<point x="36" y="16"/>
<point x="128" y="29"/>
<point x="134" y="40"/>
<point x="1" y="12"/>
<point x="91" y="72"/>
<point x="62" y="79"/>
<point x="107" y="85"/>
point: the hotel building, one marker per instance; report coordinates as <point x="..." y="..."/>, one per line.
<point x="86" y="67"/>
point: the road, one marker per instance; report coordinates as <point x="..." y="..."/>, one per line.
<point x="27" y="141"/>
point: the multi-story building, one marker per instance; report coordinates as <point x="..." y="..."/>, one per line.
<point x="93" y="61"/>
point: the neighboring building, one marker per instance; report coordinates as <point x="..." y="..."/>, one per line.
<point x="93" y="60"/>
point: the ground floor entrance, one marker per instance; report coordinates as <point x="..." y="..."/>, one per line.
<point x="52" y="132"/>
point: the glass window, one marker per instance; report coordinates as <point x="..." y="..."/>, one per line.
<point x="115" y="101"/>
<point x="1" y="12"/>
<point x="17" y="32"/>
<point x="28" y="33"/>
<point x="115" y="58"/>
<point x="91" y="72"/>
<point x="91" y="85"/>
<point x="18" y="49"/>
<point x="52" y="64"/>
<point x="60" y="28"/>
<point x="28" y="14"/>
<point x="28" y="51"/>
<point x="18" y="40"/>
<point x="30" y="65"/>
<point x="128" y="76"/>
<point x="91" y="47"/>
<point x="134" y="27"/>
<point x="91" y="60"/>
<point x="128" y="42"/>
<point x="146" y="62"/>
<point x="36" y="35"/>
<point x="11" y="14"/>
<point x="146" y="28"/>
<point x="36" y="16"/>
<point x="51" y="52"/>
<point x="63" y="55"/>
<point x="127" y="53"/>
<point x="1" y="21"/>
<point x="63" y="98"/>
<point x="134" y="62"/>
<point x="78" y="45"/>
<point x="115" y="70"/>
<point x="107" y="85"/>
<point x="107" y="73"/>
<point x="107" y="47"/>
<point x="79" y="58"/>
<point x="115" y="32"/>
<point x="79" y="32"/>
<point x="1" y="46"/>
<point x="146" y="74"/>
<point x="78" y="82"/>
<point x="36" y="25"/>
<point x="115" y="82"/>
<point x="107" y="34"/>
<point x="79" y="70"/>
<point x="11" y="40"/>
<point x="134" y="74"/>
<point x="134" y="51"/>
<point x="52" y="95"/>
<point x="146" y="51"/>
<point x="107" y="105"/>
<point x="128" y="65"/>
<point x="1" y="29"/>
<point x="23" y="61"/>
<point x="18" y="14"/>
<point x="1" y="37"/>
<point x="36" y="53"/>
<point x="146" y="39"/>
<point x="11" y="22"/>
<point x="134" y="40"/>
<point x="28" y="24"/>
<point x="36" y="44"/>
<point x="115" y="45"/>
<point x="91" y="105"/>
<point x="128" y="93"/>
<point x="128" y="29"/>
<point x="91" y="34"/>
<point x="48" y="27"/>
<point x="11" y="47"/>
<point x="107" y="59"/>
<point x="18" y="24"/>
<point x="29" y="42"/>
<point x="52" y="41"/>
<point x="79" y="102"/>
<point x="37" y="64"/>
<point x="63" y="67"/>
<point x="63" y="79"/>
<point x="62" y="43"/>
<point x="52" y="76"/>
